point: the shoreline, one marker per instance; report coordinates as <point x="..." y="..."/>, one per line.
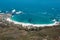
<point x="7" y="18"/>
<point x="36" y="25"/>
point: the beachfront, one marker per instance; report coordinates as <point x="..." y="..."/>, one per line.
<point x="6" y="17"/>
<point x="28" y="24"/>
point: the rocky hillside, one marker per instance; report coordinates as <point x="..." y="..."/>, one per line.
<point x="17" y="32"/>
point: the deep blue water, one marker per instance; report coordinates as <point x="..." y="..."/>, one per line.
<point x="34" y="11"/>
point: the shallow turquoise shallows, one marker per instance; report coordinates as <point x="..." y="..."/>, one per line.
<point x="34" y="11"/>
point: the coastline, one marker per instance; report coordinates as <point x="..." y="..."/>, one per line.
<point x="7" y="18"/>
<point x="34" y="25"/>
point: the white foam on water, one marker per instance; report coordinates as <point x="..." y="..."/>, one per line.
<point x="13" y="16"/>
<point x="19" y="12"/>
<point x="13" y="10"/>
<point x="0" y="11"/>
<point x="54" y="20"/>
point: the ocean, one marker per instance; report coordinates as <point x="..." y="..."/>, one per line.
<point x="33" y="11"/>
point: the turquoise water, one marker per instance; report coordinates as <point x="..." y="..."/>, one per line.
<point x="34" y="11"/>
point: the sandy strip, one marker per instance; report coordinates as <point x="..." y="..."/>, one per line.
<point x="28" y="24"/>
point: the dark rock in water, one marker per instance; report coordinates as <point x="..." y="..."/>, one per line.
<point x="13" y="13"/>
<point x="30" y="20"/>
<point x="57" y="20"/>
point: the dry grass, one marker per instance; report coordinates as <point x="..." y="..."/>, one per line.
<point x="17" y="32"/>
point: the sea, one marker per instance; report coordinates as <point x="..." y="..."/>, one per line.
<point x="32" y="11"/>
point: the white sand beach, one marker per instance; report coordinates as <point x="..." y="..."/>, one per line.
<point x="28" y="24"/>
